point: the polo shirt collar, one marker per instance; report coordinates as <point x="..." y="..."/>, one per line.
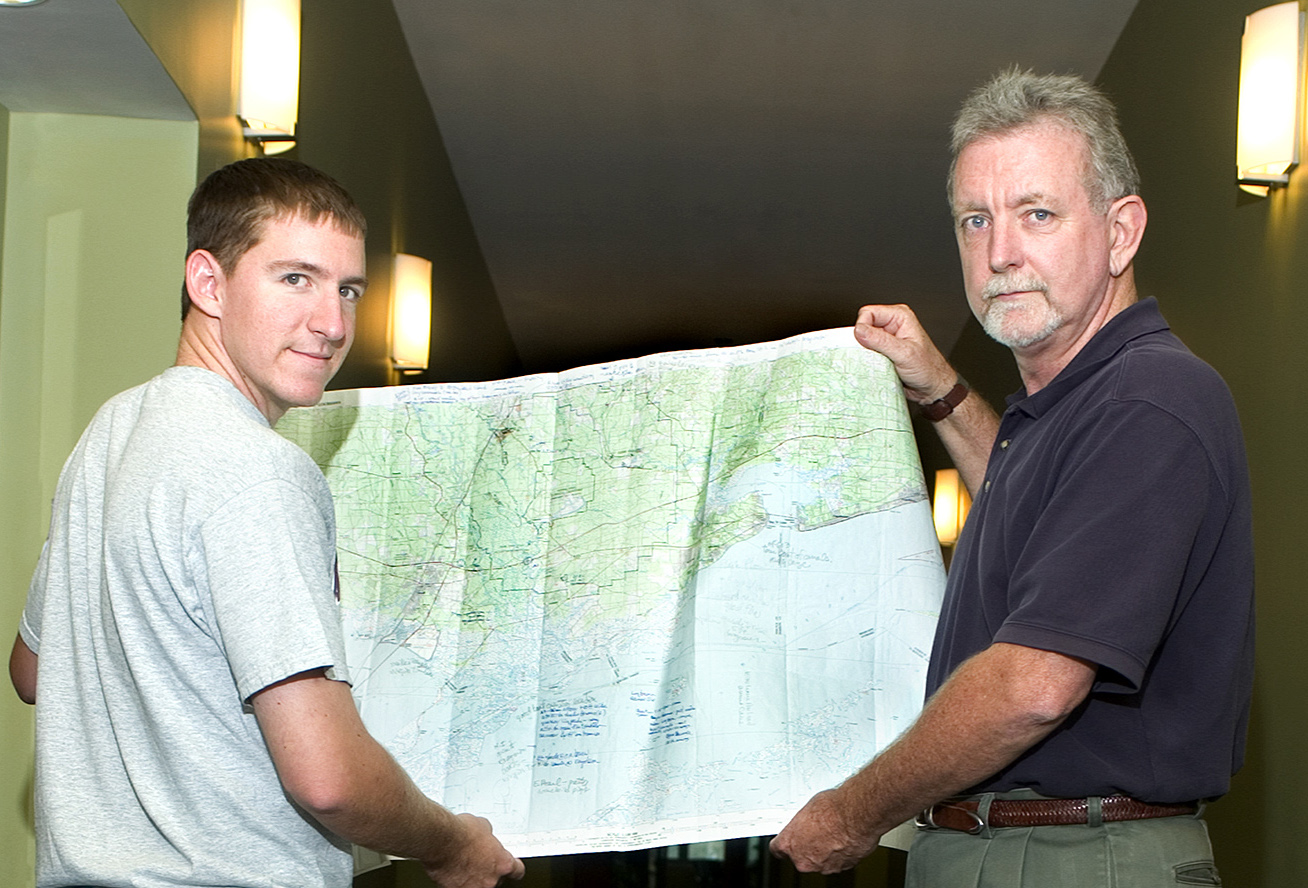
<point x="1136" y="320"/>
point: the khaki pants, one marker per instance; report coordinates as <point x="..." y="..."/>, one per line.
<point x="1165" y="852"/>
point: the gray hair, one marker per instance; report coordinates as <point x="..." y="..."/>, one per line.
<point x="1017" y="99"/>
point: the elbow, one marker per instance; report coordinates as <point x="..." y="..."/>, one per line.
<point x="325" y="799"/>
<point x="22" y="671"/>
<point x="24" y="682"/>
<point x="1046" y="706"/>
<point x="1042" y="688"/>
<point x="1048" y="713"/>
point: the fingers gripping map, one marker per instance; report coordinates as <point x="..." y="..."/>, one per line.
<point x="649" y="602"/>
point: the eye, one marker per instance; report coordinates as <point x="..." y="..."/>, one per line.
<point x="974" y="223"/>
<point x="353" y="294"/>
<point x="294" y="279"/>
<point x="1041" y="215"/>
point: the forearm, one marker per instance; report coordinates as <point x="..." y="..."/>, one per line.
<point x="978" y="723"/>
<point x="379" y="807"/>
<point x="996" y="705"/>
<point x="333" y="768"/>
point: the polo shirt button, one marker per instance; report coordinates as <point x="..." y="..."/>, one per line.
<point x="987" y="485"/>
<point x="1003" y="445"/>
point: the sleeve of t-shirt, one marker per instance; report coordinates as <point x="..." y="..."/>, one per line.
<point x="28" y="629"/>
<point x="269" y="555"/>
<point x="1101" y="574"/>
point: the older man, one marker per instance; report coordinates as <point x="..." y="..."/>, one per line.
<point x="181" y="640"/>
<point x="1092" y="670"/>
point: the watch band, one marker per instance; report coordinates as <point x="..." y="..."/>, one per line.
<point x="942" y="407"/>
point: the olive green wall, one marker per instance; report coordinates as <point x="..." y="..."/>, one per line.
<point x="4" y="155"/>
<point x="93" y="230"/>
<point x="15" y="718"/>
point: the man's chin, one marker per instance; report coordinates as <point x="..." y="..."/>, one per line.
<point x="308" y="396"/>
<point x="1015" y="327"/>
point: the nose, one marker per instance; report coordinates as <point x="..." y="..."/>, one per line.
<point x="1005" y="247"/>
<point x="332" y="318"/>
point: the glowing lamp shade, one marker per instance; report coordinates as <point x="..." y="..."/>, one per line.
<point x="269" y="96"/>
<point x="410" y="312"/>
<point x="949" y="506"/>
<point x="1267" y="141"/>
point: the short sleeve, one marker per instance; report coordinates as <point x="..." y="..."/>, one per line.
<point x="269" y="556"/>
<point x="28" y="627"/>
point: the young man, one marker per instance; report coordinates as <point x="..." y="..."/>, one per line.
<point x="181" y="640"/>
<point x="1091" y="676"/>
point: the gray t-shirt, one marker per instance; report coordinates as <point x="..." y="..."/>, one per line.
<point x="190" y="564"/>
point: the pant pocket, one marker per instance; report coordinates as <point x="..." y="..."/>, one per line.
<point x="1203" y="872"/>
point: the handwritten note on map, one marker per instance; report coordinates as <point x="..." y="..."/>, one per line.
<point x="650" y="602"/>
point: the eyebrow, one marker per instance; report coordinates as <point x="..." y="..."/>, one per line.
<point x="1031" y="198"/>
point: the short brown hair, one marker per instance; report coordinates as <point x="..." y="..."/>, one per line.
<point x="229" y="209"/>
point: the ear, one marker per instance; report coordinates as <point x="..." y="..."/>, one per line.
<point x="1126" y="224"/>
<point x="205" y="282"/>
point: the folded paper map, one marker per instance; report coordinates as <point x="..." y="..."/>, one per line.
<point x="650" y="602"/>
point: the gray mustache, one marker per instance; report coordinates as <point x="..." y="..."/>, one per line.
<point x="1012" y="283"/>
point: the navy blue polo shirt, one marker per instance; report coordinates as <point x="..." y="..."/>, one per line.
<point x="1114" y="525"/>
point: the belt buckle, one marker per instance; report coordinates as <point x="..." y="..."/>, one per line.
<point x="927" y="819"/>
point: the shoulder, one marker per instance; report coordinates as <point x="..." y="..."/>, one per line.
<point x="200" y="425"/>
<point x="1159" y="370"/>
<point x="1158" y="399"/>
<point x="107" y="436"/>
<point x="120" y="412"/>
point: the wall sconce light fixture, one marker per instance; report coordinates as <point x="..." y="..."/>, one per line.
<point x="1271" y="78"/>
<point x="949" y="506"/>
<point x="269" y="96"/>
<point x="410" y="312"/>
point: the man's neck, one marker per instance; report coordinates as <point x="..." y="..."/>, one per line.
<point x="1041" y="363"/>
<point x="200" y="346"/>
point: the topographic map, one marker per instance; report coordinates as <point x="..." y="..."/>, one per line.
<point x="649" y="602"/>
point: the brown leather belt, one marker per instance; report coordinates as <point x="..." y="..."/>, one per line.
<point x="964" y="814"/>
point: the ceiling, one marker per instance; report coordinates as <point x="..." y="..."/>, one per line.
<point x="82" y="57"/>
<point x="687" y="173"/>
<point x="647" y="176"/>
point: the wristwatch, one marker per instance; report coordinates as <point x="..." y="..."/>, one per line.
<point x="942" y="407"/>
